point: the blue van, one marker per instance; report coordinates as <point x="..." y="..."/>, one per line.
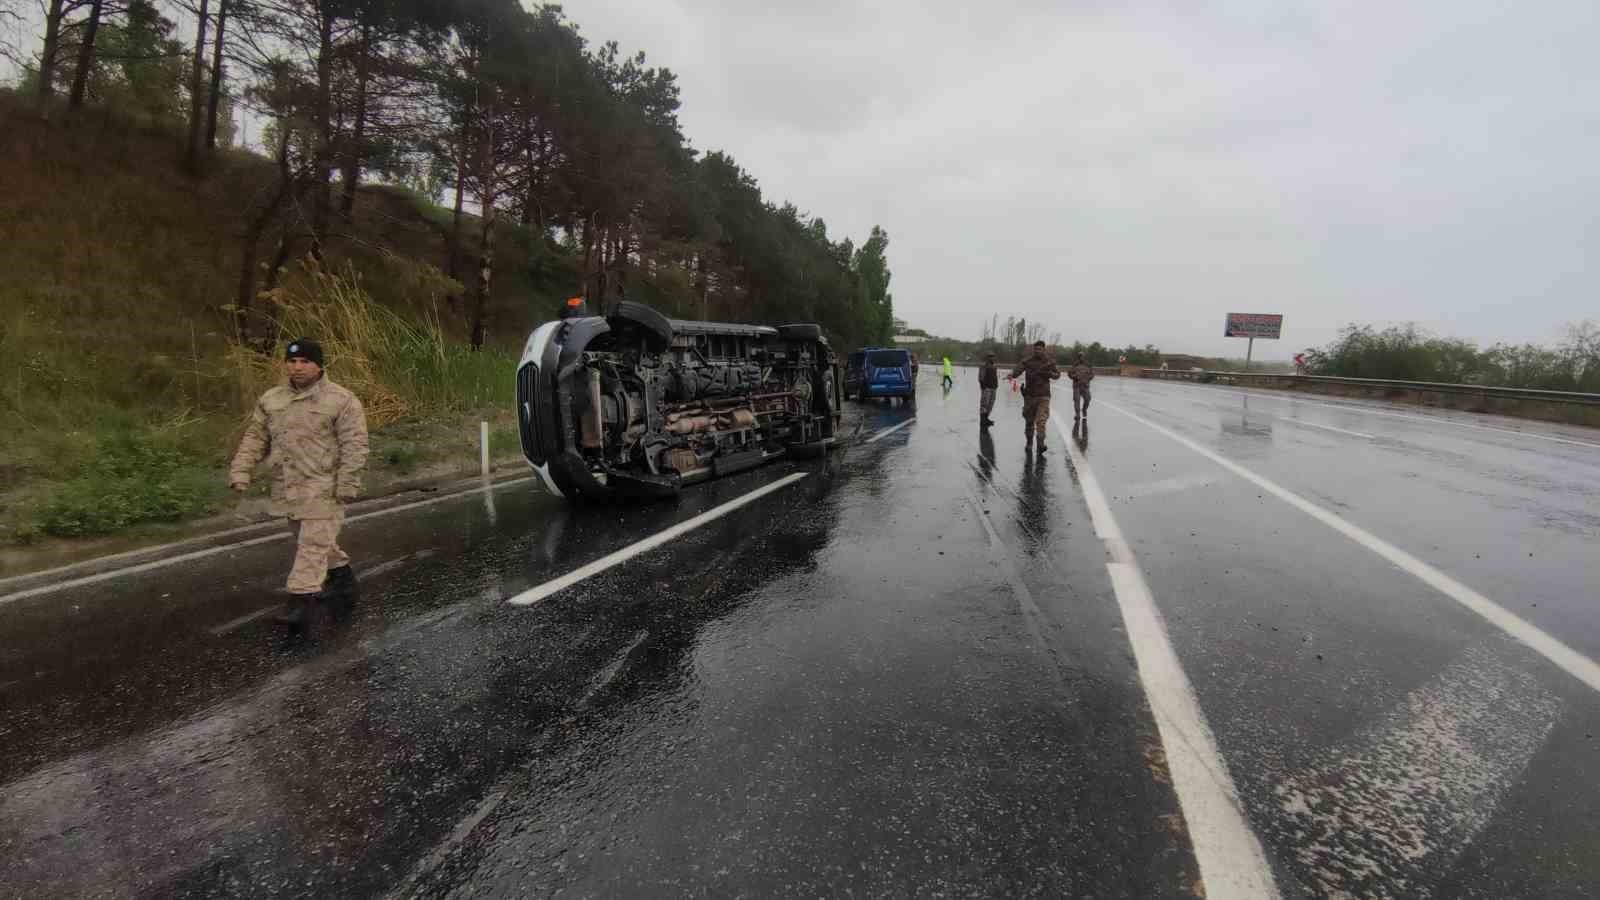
<point x="887" y="373"/>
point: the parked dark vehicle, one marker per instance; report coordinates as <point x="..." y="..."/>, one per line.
<point x="888" y="375"/>
<point x="636" y="403"/>
<point x="854" y="373"/>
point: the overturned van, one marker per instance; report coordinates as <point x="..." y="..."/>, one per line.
<point x="635" y="403"/>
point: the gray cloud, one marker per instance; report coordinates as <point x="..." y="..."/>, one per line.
<point x="1131" y="171"/>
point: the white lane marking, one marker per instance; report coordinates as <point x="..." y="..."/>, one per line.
<point x="534" y="595"/>
<point x="1359" y="434"/>
<point x="239" y="545"/>
<point x="1030" y="609"/>
<point x="458" y="836"/>
<point x="1569" y="660"/>
<point x="242" y="621"/>
<point x="373" y="572"/>
<point x="1169" y="486"/>
<point x="1232" y="863"/>
<point x="891" y="429"/>
<point x="1438" y="420"/>
<point x="391" y="565"/>
<point x="1376" y="816"/>
<point x="610" y="672"/>
<point x="1294" y="420"/>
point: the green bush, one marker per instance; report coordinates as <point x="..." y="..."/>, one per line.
<point x="134" y="478"/>
<point x="1410" y="354"/>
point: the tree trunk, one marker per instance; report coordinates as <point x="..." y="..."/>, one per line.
<point x="705" y="293"/>
<point x="80" y="78"/>
<point x="214" y="96"/>
<point x="355" y="150"/>
<point x="487" y="195"/>
<point x="192" y="155"/>
<point x="250" y="251"/>
<point x="619" y="263"/>
<point x="588" y="263"/>
<point x="47" y="55"/>
<point x="461" y="179"/>
<point x="602" y="241"/>
<point x="323" y="199"/>
<point x="280" y="258"/>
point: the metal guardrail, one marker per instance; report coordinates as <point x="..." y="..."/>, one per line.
<point x="1288" y="380"/>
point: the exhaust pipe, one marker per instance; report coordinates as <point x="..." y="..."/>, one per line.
<point x="590" y="422"/>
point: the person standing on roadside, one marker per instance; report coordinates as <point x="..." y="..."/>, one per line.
<point x="949" y="375"/>
<point x="1038" y="370"/>
<point x="988" y="383"/>
<point x="313" y="435"/>
<point x="1081" y="374"/>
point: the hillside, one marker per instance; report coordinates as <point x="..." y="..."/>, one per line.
<point x="121" y="389"/>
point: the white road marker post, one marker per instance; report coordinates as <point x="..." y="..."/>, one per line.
<point x="483" y="447"/>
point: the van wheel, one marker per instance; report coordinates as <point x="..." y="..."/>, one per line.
<point x="806" y="331"/>
<point x="656" y="327"/>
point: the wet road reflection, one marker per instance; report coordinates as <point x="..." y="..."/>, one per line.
<point x="1036" y="505"/>
<point x="903" y="674"/>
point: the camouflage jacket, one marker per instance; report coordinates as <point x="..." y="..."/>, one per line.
<point x="1039" y="369"/>
<point x="1081" y="374"/>
<point x="315" y="443"/>
<point x="988" y="376"/>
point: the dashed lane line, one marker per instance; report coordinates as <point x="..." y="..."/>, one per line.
<point x="244" y="620"/>
<point x="1359" y="434"/>
<point x="1232" y="863"/>
<point x="535" y="594"/>
<point x="1567" y="659"/>
<point x="891" y="430"/>
<point x="240" y="545"/>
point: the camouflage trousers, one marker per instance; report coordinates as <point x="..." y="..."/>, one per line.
<point x="1080" y="398"/>
<point x="985" y="402"/>
<point x="316" y="551"/>
<point x="1035" y="416"/>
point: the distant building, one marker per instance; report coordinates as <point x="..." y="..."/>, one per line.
<point x="910" y="339"/>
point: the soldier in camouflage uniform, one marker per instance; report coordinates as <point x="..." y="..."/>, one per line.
<point x="1039" y="367"/>
<point x="313" y="435"/>
<point x="1081" y="374"/>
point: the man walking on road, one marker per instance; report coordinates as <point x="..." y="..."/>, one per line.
<point x="988" y="383"/>
<point x="949" y="375"/>
<point x="1039" y="369"/>
<point x="313" y="434"/>
<point x="1081" y="374"/>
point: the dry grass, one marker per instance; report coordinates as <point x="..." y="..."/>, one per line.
<point x="118" y="374"/>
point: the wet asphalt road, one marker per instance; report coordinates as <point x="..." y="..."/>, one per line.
<point x="905" y="674"/>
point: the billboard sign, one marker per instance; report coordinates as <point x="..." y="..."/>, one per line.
<point x="1253" y="325"/>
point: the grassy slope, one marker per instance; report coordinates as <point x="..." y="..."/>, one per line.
<point x="119" y="400"/>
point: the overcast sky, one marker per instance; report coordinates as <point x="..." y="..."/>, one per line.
<point x="1130" y="171"/>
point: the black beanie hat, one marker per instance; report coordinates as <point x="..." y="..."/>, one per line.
<point x="305" y="348"/>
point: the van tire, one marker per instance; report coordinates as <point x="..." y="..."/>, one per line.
<point x="800" y="332"/>
<point x="656" y="327"/>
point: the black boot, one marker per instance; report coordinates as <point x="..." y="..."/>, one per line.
<point x="293" y="613"/>
<point x="340" y="591"/>
<point x="342" y="579"/>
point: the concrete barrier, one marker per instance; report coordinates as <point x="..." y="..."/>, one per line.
<point x="1548" y="406"/>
